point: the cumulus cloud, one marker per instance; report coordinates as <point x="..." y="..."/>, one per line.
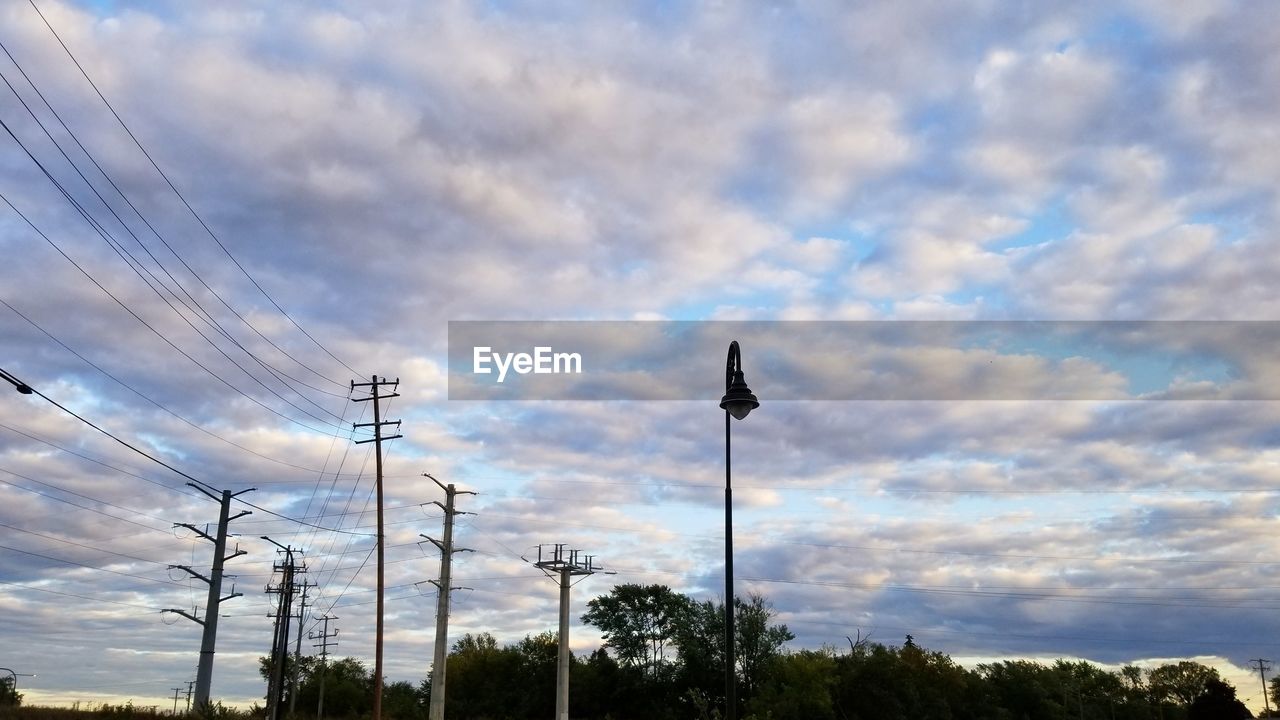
<point x="905" y="160"/>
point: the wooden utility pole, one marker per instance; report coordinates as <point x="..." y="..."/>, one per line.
<point x="1263" y="665"/>
<point x="436" y="711"/>
<point x="377" y="439"/>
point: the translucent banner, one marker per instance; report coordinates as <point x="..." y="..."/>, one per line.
<point x="880" y="361"/>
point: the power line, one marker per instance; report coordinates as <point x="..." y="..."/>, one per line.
<point x="149" y="399"/>
<point x="82" y="545"/>
<point x="153" y="230"/>
<point x="170" y="467"/>
<point x="90" y="567"/>
<point x="23" y="586"/>
<point x="139" y="318"/>
<point x="181" y="197"/>
<point x="202" y="313"/>
<point x="86" y="497"/>
<point x="138" y="268"/>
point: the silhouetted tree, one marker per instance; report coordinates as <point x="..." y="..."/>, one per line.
<point x="1217" y="702"/>
<point x="638" y="622"/>
<point x="9" y="695"/>
<point x="1180" y="683"/>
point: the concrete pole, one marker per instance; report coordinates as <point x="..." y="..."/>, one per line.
<point x="297" y="653"/>
<point x="438" y="666"/>
<point x="562" y="665"/>
<point x="204" y="672"/>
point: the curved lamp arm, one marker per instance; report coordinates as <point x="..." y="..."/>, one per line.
<point x="738" y="399"/>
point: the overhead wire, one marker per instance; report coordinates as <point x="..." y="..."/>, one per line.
<point x="154" y="231"/>
<point x="138" y="268"/>
<point x="157" y="403"/>
<point x="158" y="461"/>
<point x="146" y="324"/>
<point x="23" y="586"/>
<point x="148" y="398"/>
<point x="203" y="313"/>
<point x="182" y="197"/>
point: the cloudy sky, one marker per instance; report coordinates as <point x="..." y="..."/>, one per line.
<point x="354" y="176"/>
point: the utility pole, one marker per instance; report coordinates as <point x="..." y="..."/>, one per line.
<point x="176" y="691"/>
<point x="1263" y="666"/>
<point x="204" y="672"/>
<point x="377" y="439"/>
<point x="284" y="611"/>
<point x="190" y="685"/>
<point x="324" y="643"/>
<point x="563" y="566"/>
<point x="297" y="649"/>
<point x="442" y="602"/>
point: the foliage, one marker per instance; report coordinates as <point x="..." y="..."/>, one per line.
<point x="638" y="622"/>
<point x="9" y="695"/>
<point x="663" y="659"/>
<point x="1217" y="702"/>
<point x="758" y="642"/>
<point x="402" y="701"/>
<point x="1180" y="683"/>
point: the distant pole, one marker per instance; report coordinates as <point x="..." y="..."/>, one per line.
<point x="280" y="646"/>
<point x="297" y="651"/>
<point x="190" y="685"/>
<point x="562" y="567"/>
<point x="438" y="666"/>
<point x="324" y="643"/>
<point x="176" y="692"/>
<point x="1263" y="666"/>
<point x="377" y="440"/>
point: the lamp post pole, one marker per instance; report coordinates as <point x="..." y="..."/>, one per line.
<point x="730" y="682"/>
<point x="737" y="402"/>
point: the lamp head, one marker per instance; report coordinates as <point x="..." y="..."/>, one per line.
<point x="738" y="398"/>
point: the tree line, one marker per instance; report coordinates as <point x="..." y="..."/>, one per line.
<point x="663" y="659"/>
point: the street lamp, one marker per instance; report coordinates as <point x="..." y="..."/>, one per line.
<point x="18" y="385"/>
<point x="15" y="676"/>
<point x="738" y="401"/>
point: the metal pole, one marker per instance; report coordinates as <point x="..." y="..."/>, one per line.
<point x="438" y="668"/>
<point x="282" y="653"/>
<point x="204" y="672"/>
<point x="562" y="665"/>
<point x="730" y="680"/>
